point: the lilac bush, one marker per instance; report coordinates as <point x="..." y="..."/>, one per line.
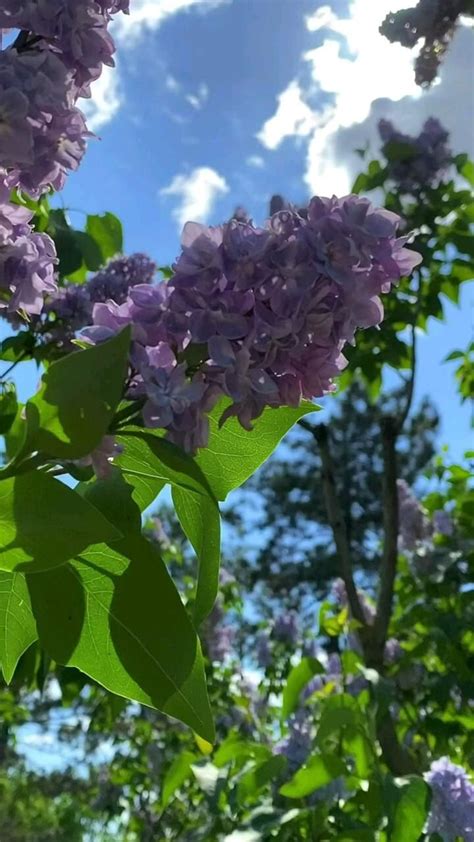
<point x="258" y="316"/>
<point x="416" y="162"/>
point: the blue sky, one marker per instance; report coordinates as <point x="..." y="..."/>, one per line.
<point x="215" y="103"/>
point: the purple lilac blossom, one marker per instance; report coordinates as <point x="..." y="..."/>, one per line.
<point x="76" y="31"/>
<point x="266" y="312"/>
<point x="414" y="526"/>
<point x="27" y="260"/>
<point x="72" y="304"/>
<point x="285" y="628"/>
<point x="102" y="457"/>
<point x="43" y="133"/>
<point x="339" y="594"/>
<point x="392" y="651"/>
<point x="296" y="746"/>
<point x="452" y="807"/>
<point x="442" y="523"/>
<point x="423" y="160"/>
<point x="263" y="650"/>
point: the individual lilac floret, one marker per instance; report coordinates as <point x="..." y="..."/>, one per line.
<point x="413" y="523"/>
<point x="452" y="807"/>
<point x="285" y="628"/>
<point x="27" y="260"/>
<point x="416" y="162"/>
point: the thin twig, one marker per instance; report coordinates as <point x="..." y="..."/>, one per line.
<point x="336" y="518"/>
<point x="13" y="365"/>
<point x="388" y="566"/>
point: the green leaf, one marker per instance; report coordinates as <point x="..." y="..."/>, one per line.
<point x="90" y="250"/>
<point x="200" y="519"/>
<point x="338" y="712"/>
<point x="116" y="615"/>
<point x="134" y="462"/>
<point x="43" y="523"/>
<point x="113" y="497"/>
<point x="17" y="623"/>
<point x="467" y="170"/>
<point x="155" y="461"/>
<point x="76" y="403"/>
<point x="234" y="749"/>
<point x="259" y="776"/>
<point x="14" y="348"/>
<point x="234" y="454"/>
<point x="179" y="771"/>
<point x="411" y="811"/>
<point x="8" y="407"/>
<point x="319" y="771"/>
<point x="107" y="232"/>
<point x="298" y="678"/>
<point x="161" y="460"/>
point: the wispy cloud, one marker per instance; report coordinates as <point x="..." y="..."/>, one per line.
<point x="197" y="192"/>
<point x="172" y="84"/>
<point x="255" y="161"/>
<point x="292" y="118"/>
<point x="198" y="99"/>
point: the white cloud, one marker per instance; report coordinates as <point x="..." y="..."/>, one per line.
<point x="197" y="191"/>
<point x="145" y="15"/>
<point x="363" y="77"/>
<point x="321" y="18"/>
<point x="172" y="84"/>
<point x="151" y="14"/>
<point x="293" y="117"/>
<point x="255" y="161"/>
<point x="200" y="98"/>
<point x="105" y="101"/>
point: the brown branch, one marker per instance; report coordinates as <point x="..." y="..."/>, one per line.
<point x="397" y="758"/>
<point x="336" y="518"/>
<point x="388" y="566"/>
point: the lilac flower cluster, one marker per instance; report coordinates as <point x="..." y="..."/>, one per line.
<point x="296" y="746"/>
<point x="59" y="51"/>
<point x="76" y="32"/>
<point x="102" y="457"/>
<point x="422" y="160"/>
<point x="26" y="260"/>
<point x="72" y="304"/>
<point x="285" y="628"/>
<point x="414" y="525"/>
<point x="257" y="315"/>
<point x="452" y="807"/>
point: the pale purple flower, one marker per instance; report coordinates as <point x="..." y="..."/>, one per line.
<point x="27" y="260"/>
<point x="259" y="315"/>
<point x="285" y="628"/>
<point x="392" y="651"/>
<point x="452" y="807"/>
<point x="102" y="457"/>
<point x="296" y="746"/>
<point x="263" y="650"/>
<point x="413" y="523"/>
<point x="115" y="280"/>
<point x="443" y="523"/>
